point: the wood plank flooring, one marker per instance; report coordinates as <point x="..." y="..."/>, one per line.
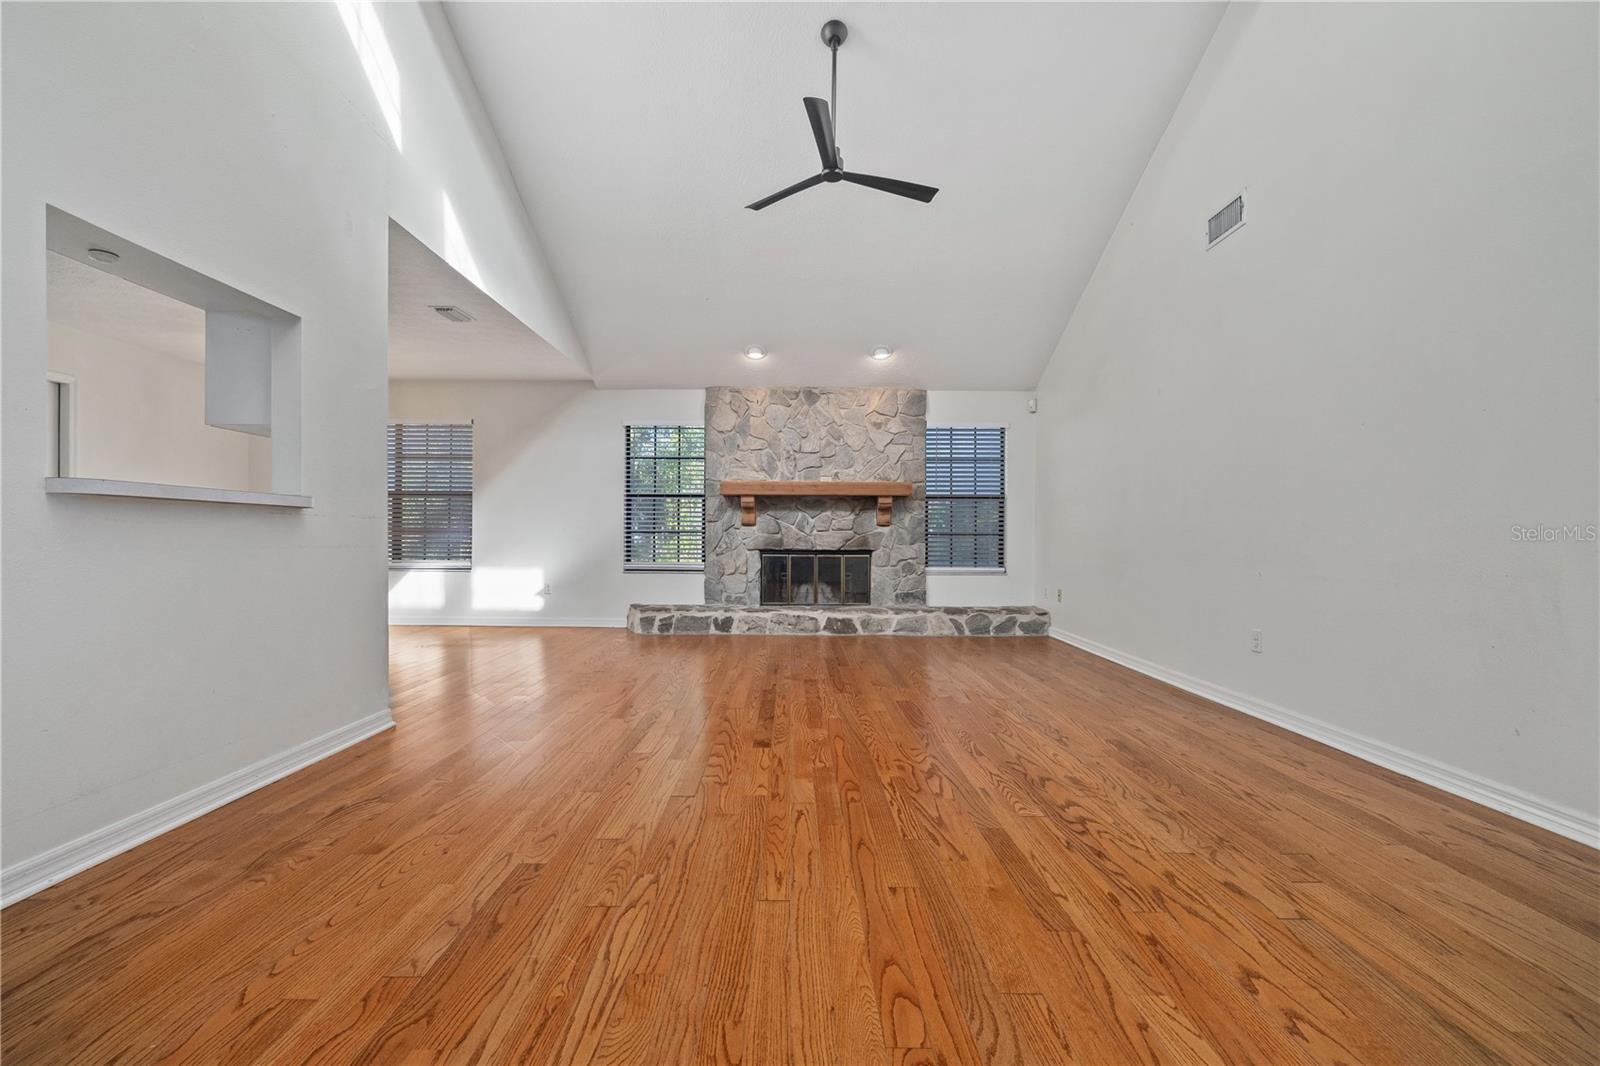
<point x="582" y="846"/>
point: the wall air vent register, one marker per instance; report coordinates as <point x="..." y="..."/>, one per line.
<point x="1225" y="221"/>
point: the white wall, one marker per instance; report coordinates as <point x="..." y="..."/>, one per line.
<point x="1016" y="585"/>
<point x="1329" y="425"/>
<point x="547" y="503"/>
<point x="155" y="648"/>
<point x="140" y="416"/>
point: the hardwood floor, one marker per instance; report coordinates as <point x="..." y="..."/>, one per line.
<point x="581" y="846"/>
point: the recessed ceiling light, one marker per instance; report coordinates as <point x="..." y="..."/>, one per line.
<point x="755" y="354"/>
<point x="880" y="354"/>
<point x="103" y="255"/>
<point x="454" y="314"/>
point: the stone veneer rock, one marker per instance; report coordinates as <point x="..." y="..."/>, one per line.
<point x="820" y="434"/>
<point x="840" y="621"/>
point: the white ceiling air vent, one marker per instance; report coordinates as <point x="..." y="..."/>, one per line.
<point x="1225" y="221"/>
<point x="454" y="314"/>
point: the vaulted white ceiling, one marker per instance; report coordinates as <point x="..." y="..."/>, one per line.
<point x="637" y="133"/>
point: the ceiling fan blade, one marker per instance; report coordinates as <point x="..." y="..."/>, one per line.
<point x="822" y="130"/>
<point x="799" y="186"/>
<point x="894" y="185"/>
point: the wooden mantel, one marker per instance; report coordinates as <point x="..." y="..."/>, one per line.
<point x="747" y="491"/>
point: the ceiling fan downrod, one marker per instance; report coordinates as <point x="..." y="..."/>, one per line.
<point x="833" y="34"/>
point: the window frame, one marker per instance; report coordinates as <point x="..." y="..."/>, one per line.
<point x="471" y="495"/>
<point x="629" y="565"/>
<point x="1003" y="537"/>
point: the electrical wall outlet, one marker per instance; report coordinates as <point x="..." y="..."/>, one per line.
<point x="1255" y="641"/>
<point x="1058" y="595"/>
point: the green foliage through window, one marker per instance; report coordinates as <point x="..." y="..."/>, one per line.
<point x="664" y="509"/>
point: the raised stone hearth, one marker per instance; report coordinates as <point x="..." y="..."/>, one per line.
<point x="840" y="620"/>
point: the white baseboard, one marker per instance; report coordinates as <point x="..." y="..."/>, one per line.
<point x="505" y="620"/>
<point x="1572" y="824"/>
<point x="23" y="879"/>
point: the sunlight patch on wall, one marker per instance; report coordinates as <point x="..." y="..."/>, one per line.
<point x="508" y="588"/>
<point x="456" y="251"/>
<point x="366" y="33"/>
<point x="418" y="590"/>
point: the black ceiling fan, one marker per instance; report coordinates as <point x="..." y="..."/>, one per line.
<point x="822" y="115"/>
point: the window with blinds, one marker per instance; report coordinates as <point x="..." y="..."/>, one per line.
<point x="967" y="497"/>
<point x="664" y="509"/>
<point x="430" y="495"/>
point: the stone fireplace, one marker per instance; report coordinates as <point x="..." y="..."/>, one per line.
<point x="822" y="435"/>
<point x="844" y="560"/>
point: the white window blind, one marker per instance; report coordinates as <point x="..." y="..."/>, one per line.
<point x="664" y="506"/>
<point x="966" y="497"/>
<point x="430" y="495"/>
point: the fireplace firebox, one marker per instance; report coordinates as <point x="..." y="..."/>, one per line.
<point x="816" y="577"/>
